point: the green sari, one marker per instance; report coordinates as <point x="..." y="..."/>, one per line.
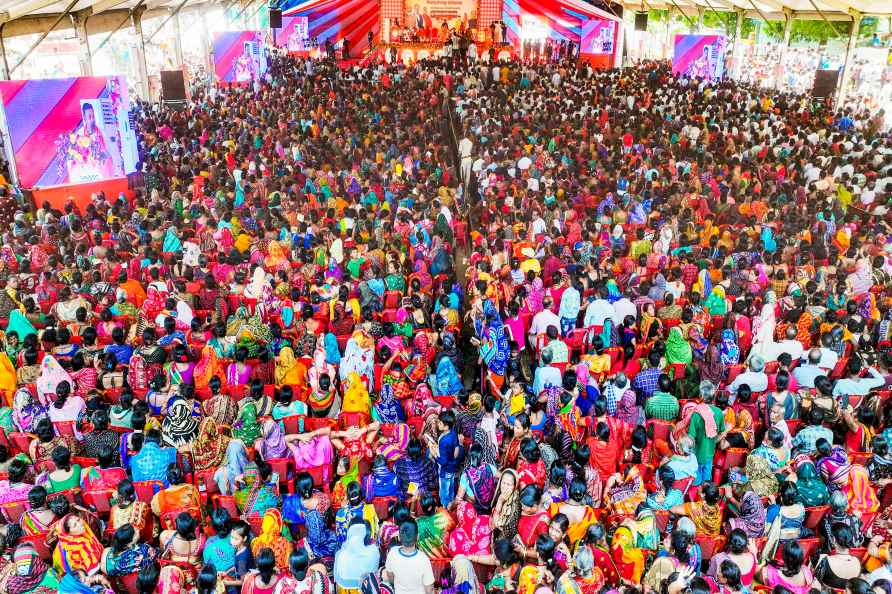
<point x="433" y="531"/>
<point x="677" y="348"/>
<point x="19" y="324"/>
<point x="246" y="428"/>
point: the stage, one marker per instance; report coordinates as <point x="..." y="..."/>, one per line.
<point x="412" y="51"/>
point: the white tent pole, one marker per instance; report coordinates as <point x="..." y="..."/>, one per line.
<point x="738" y="42"/>
<point x="788" y="29"/>
<point x="846" y="75"/>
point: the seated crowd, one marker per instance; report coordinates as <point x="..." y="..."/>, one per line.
<point x="638" y="340"/>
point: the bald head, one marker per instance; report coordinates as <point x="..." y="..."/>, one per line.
<point x="814" y="356"/>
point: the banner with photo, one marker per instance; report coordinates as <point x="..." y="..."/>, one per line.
<point x="699" y="56"/>
<point x="239" y="56"/>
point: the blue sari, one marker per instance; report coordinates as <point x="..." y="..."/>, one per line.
<point x="494" y="348"/>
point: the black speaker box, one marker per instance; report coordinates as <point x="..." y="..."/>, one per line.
<point x="275" y="18"/>
<point x="641" y="21"/>
<point x="173" y="87"/>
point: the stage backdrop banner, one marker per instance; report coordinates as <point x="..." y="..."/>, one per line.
<point x="69" y="130"/>
<point x="428" y="14"/>
<point x="699" y="56"/>
<point x="239" y="56"/>
<point x="295" y="34"/>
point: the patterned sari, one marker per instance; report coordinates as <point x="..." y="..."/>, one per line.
<point x="433" y="531"/>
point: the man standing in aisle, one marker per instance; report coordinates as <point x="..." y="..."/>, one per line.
<point x="465" y="154"/>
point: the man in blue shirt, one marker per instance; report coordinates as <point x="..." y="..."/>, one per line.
<point x="151" y="463"/>
<point x="448" y="453"/>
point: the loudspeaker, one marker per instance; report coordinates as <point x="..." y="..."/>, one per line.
<point x="641" y="21"/>
<point x="275" y="18"/>
<point x="825" y="83"/>
<point x="173" y="87"/>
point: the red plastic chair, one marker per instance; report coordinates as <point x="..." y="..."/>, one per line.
<point x="145" y="490"/>
<point x="353" y="419"/>
<point x="13" y="510"/>
<point x="38" y="541"/>
<point x="321" y="475"/>
<point x="99" y="499"/>
<point x="311" y="423"/>
<point x="281" y="467"/>
<point x="710" y="545"/>
<point x="735" y="457"/>
<point x="84" y="462"/>
<point x="733" y="372"/>
<point x="382" y="505"/>
<point x="21" y="441"/>
<point x="71" y="495"/>
<point x="205" y="483"/>
<point x="294" y="424"/>
<point x="658" y="429"/>
<point x="128" y="583"/>
<point x="65" y="428"/>
<point x="859" y="458"/>
<point x="445" y="401"/>
<point x="256" y="523"/>
<point x="813" y="515"/>
<point x="227" y="502"/>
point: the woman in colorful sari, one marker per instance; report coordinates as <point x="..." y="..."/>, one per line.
<point x="246" y="428"/>
<point x="833" y="463"/>
<point x="221" y="406"/>
<point x="387" y="408"/>
<point x="625" y="493"/>
<point x="359" y="358"/>
<point x="259" y="491"/>
<point x="585" y="577"/>
<point x="209" y="448"/>
<point x="354" y="507"/>
<point x="77" y="547"/>
<point x="234" y="463"/>
<point x="447" y="380"/>
<point x="678" y="351"/>
<point x="272" y="443"/>
<point x="26" y="410"/>
<point x="580" y="515"/>
<point x="478" y="481"/>
<point x="30" y="574"/>
<point x="434" y="526"/>
<point x="706" y="513"/>
<point x="493" y="346"/>
<point x="471" y="535"/>
<point x="628" y="558"/>
<point x="751" y="513"/>
<point x="288" y="369"/>
<point x="51" y="375"/>
<point x="274" y="535"/>
<point x="126" y="555"/>
<point x="715" y="303"/>
<point x="179" y="427"/>
<point x="356" y="396"/>
<point x="862" y="496"/>
<point x="812" y="490"/>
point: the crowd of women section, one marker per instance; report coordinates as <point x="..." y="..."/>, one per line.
<point x="630" y="333"/>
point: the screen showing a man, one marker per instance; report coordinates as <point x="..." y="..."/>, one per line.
<point x="87" y="157"/>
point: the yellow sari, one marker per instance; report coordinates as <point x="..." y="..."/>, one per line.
<point x="356" y="396"/>
<point x="289" y="371"/>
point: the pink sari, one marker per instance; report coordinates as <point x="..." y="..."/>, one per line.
<point x="472" y="532"/>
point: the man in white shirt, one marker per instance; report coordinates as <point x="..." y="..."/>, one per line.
<point x="544" y="319"/>
<point x="772" y="350"/>
<point x="806" y="373"/>
<point x="755" y="378"/>
<point x="829" y="357"/>
<point x="599" y="310"/>
<point x="623" y="308"/>
<point x="407" y="568"/>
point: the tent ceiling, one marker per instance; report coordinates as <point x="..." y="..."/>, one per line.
<point x="828" y="7"/>
<point x="14" y="9"/>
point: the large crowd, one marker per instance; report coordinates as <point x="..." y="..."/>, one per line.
<point x="466" y="328"/>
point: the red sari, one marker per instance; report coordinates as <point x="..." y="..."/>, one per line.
<point x="530" y="527"/>
<point x="531" y="474"/>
